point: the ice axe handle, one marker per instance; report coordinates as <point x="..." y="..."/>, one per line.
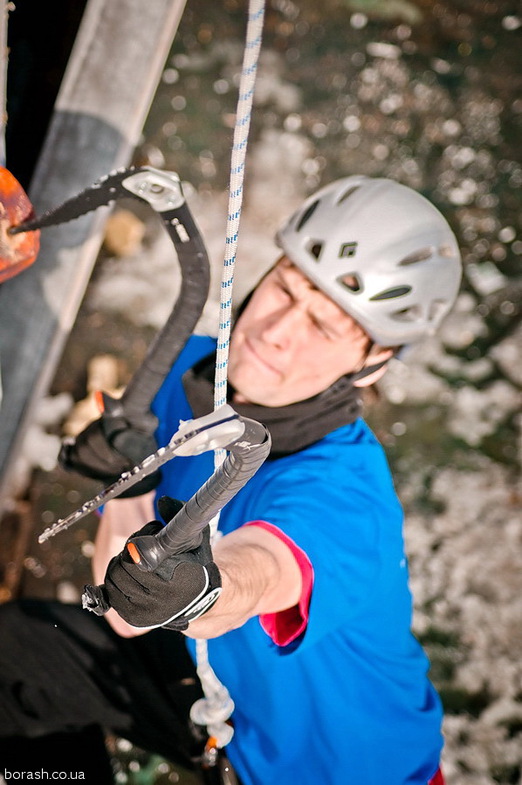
<point x="184" y="532"/>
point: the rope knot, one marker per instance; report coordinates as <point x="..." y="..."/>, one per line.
<point x="213" y="714"/>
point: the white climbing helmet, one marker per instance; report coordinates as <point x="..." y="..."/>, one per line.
<point x="381" y="251"/>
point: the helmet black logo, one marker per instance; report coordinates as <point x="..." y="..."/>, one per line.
<point x="347" y="249"/>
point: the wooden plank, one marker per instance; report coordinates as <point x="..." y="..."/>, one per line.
<point x="111" y="78"/>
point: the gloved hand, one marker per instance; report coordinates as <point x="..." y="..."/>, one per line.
<point x="108" y="447"/>
<point x="183" y="588"/>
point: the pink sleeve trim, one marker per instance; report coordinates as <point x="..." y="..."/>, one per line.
<point x="285" y="626"/>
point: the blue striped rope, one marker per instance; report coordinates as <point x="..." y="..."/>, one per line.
<point x="217" y="706"/>
<point x="237" y="170"/>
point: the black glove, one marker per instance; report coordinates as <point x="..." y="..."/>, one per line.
<point x="108" y="447"/>
<point x="183" y="588"/>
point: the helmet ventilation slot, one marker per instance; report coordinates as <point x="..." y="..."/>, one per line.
<point x="306" y="215"/>
<point x="391" y="294"/>
<point x="314" y="248"/>
<point x="447" y="252"/>
<point x="351" y="282"/>
<point x="419" y="256"/>
<point x="346" y="195"/>
<point x="437" y="307"/>
<point x="412" y="314"/>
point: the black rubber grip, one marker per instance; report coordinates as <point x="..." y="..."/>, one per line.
<point x="183" y="532"/>
<point x="168" y="343"/>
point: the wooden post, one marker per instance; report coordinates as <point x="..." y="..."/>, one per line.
<point x="109" y="83"/>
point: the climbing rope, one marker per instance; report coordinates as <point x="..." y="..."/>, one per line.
<point x="216" y="707"/>
<point x="237" y="171"/>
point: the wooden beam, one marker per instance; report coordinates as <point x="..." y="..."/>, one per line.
<point x="109" y="83"/>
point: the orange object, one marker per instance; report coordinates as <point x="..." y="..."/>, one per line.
<point x="211" y="743"/>
<point x="133" y="553"/>
<point x="100" y="403"/>
<point x="17" y="251"/>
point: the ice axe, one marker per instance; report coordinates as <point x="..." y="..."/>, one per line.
<point x="163" y="192"/>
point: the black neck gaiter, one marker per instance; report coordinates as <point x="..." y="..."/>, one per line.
<point x="291" y="427"/>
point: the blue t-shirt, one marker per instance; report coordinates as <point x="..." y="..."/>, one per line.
<point x="349" y="701"/>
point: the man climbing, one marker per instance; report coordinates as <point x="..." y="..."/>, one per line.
<point x="311" y="632"/>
